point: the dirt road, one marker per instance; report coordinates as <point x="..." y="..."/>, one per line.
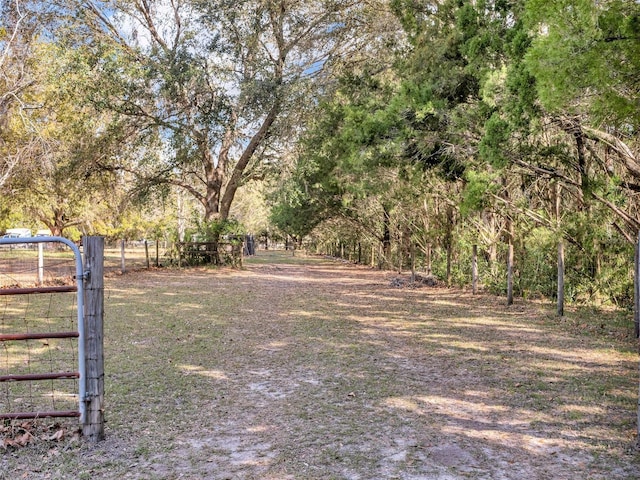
<point x="322" y="370"/>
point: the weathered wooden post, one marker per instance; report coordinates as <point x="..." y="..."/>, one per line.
<point x="560" y="309"/>
<point x="40" y="264"/>
<point x="93" y="424"/>
<point x="122" y="261"/>
<point x="474" y="270"/>
<point x="636" y="290"/>
<point x="146" y="253"/>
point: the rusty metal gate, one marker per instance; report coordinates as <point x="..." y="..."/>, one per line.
<point x="31" y="332"/>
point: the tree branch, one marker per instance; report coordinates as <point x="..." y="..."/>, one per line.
<point x="630" y="160"/>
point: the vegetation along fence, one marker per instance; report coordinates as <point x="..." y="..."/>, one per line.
<point x="122" y="256"/>
<point x="51" y="341"/>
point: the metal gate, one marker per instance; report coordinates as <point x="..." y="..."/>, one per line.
<point x="32" y="333"/>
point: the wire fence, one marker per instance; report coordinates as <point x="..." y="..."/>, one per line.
<point x="38" y="358"/>
<point x="124" y="256"/>
<point x="27" y="265"/>
<point x="38" y="331"/>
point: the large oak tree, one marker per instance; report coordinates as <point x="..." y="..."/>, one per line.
<point x="211" y="91"/>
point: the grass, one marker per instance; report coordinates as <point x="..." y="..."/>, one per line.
<point x="302" y="368"/>
<point x="280" y="257"/>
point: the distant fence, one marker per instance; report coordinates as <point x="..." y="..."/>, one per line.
<point x="210" y="253"/>
<point x="121" y="256"/>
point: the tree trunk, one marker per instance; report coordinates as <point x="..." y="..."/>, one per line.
<point x="597" y="270"/>
<point x="448" y="239"/>
<point x="449" y="259"/>
<point x="510" y="240"/>
<point x="492" y="253"/>
<point x="181" y="220"/>
<point x="561" y="268"/>
<point x="214" y="171"/>
<point x="582" y="163"/>
<point x="235" y="180"/>
<point x="123" y="262"/>
<point x="400" y="253"/>
<point x="412" y="250"/>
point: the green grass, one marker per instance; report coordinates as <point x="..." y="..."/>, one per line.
<point x="283" y="257"/>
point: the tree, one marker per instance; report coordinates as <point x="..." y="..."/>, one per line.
<point x="35" y="135"/>
<point x="586" y="64"/>
<point x="19" y="143"/>
<point x="217" y="87"/>
<point x="348" y="166"/>
<point x="56" y="187"/>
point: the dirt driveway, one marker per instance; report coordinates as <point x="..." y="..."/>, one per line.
<point x="321" y="370"/>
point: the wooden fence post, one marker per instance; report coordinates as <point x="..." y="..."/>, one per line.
<point x="123" y="265"/>
<point x="560" y="309"/>
<point x="146" y="253"/>
<point x="474" y="270"/>
<point x="40" y="264"/>
<point x="93" y="426"/>
<point x="636" y="290"/>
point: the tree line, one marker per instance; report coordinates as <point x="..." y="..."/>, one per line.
<point x="502" y="132"/>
